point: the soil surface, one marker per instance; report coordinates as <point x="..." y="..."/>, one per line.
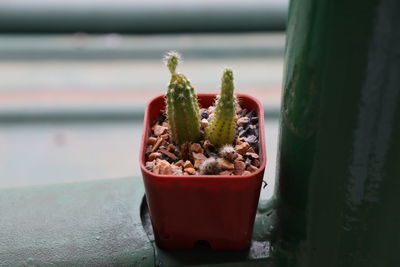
<point x="202" y="158"/>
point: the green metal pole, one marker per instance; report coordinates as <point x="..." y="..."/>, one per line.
<point x="339" y="171"/>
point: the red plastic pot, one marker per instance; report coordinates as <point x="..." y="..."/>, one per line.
<point x="214" y="209"/>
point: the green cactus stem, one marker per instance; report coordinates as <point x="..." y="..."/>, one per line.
<point x="222" y="129"/>
<point x="182" y="108"/>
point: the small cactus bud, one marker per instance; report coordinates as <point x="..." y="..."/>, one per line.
<point x="210" y="166"/>
<point x="172" y="60"/>
<point x="182" y="108"/>
<point x="221" y="130"/>
<point x="228" y="152"/>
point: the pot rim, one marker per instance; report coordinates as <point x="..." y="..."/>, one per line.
<point x="261" y="127"/>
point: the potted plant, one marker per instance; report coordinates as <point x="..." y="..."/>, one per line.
<point x="202" y="170"/>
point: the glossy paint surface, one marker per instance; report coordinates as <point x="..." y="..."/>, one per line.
<point x="101" y="223"/>
<point x="339" y="171"/>
<point x="95" y="223"/>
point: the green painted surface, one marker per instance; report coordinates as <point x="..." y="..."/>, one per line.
<point x="103" y="223"/>
<point x="338" y="163"/>
<point x="81" y="224"/>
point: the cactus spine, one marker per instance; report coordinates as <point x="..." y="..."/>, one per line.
<point x="210" y="166"/>
<point x="228" y="152"/>
<point x="182" y="108"/>
<point x="221" y="130"/>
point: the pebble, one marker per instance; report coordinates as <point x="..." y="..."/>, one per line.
<point x="156" y="169"/>
<point x="151" y="141"/>
<point x="255" y="147"/>
<point x="179" y="163"/>
<point x="226" y="164"/>
<point x="242" y="148"/>
<point x="239" y="158"/>
<point x="242" y="133"/>
<point x="161" y="117"/>
<point x="248" y="161"/>
<point x="198" y="156"/>
<point x="247" y="130"/>
<point x="251" y="139"/>
<point x="164" y="157"/>
<point x="176" y="170"/>
<point x="165" y="136"/>
<point x="149" y="165"/>
<point x="256" y="162"/>
<point x="159" y="130"/>
<point x="204" y="123"/>
<point x="239" y="140"/>
<point x="209" y="147"/>
<point x="187" y="164"/>
<point x="168" y="154"/>
<point x="153" y="156"/>
<point x="171" y="147"/>
<point x="197" y="163"/>
<point x="251" y="150"/>
<point x="157" y="144"/>
<point x="165" y="167"/>
<point x="149" y="149"/>
<point x="231" y="157"/>
<point x="243" y="121"/>
<point x="251" y="168"/>
<point x="245" y="173"/>
<point x="190" y="170"/>
<point x="252" y="154"/>
<point x="254" y="120"/>
<point x="251" y="131"/>
<point x="195" y="147"/>
<point x="204" y="113"/>
<point x="250" y="114"/>
<point x="240" y="166"/>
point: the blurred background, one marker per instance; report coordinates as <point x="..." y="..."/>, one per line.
<point x="75" y="77"/>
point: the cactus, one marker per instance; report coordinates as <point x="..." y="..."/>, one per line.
<point x="182" y="108"/>
<point x="222" y="129"/>
<point x="210" y="166"/>
<point x="228" y="152"/>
